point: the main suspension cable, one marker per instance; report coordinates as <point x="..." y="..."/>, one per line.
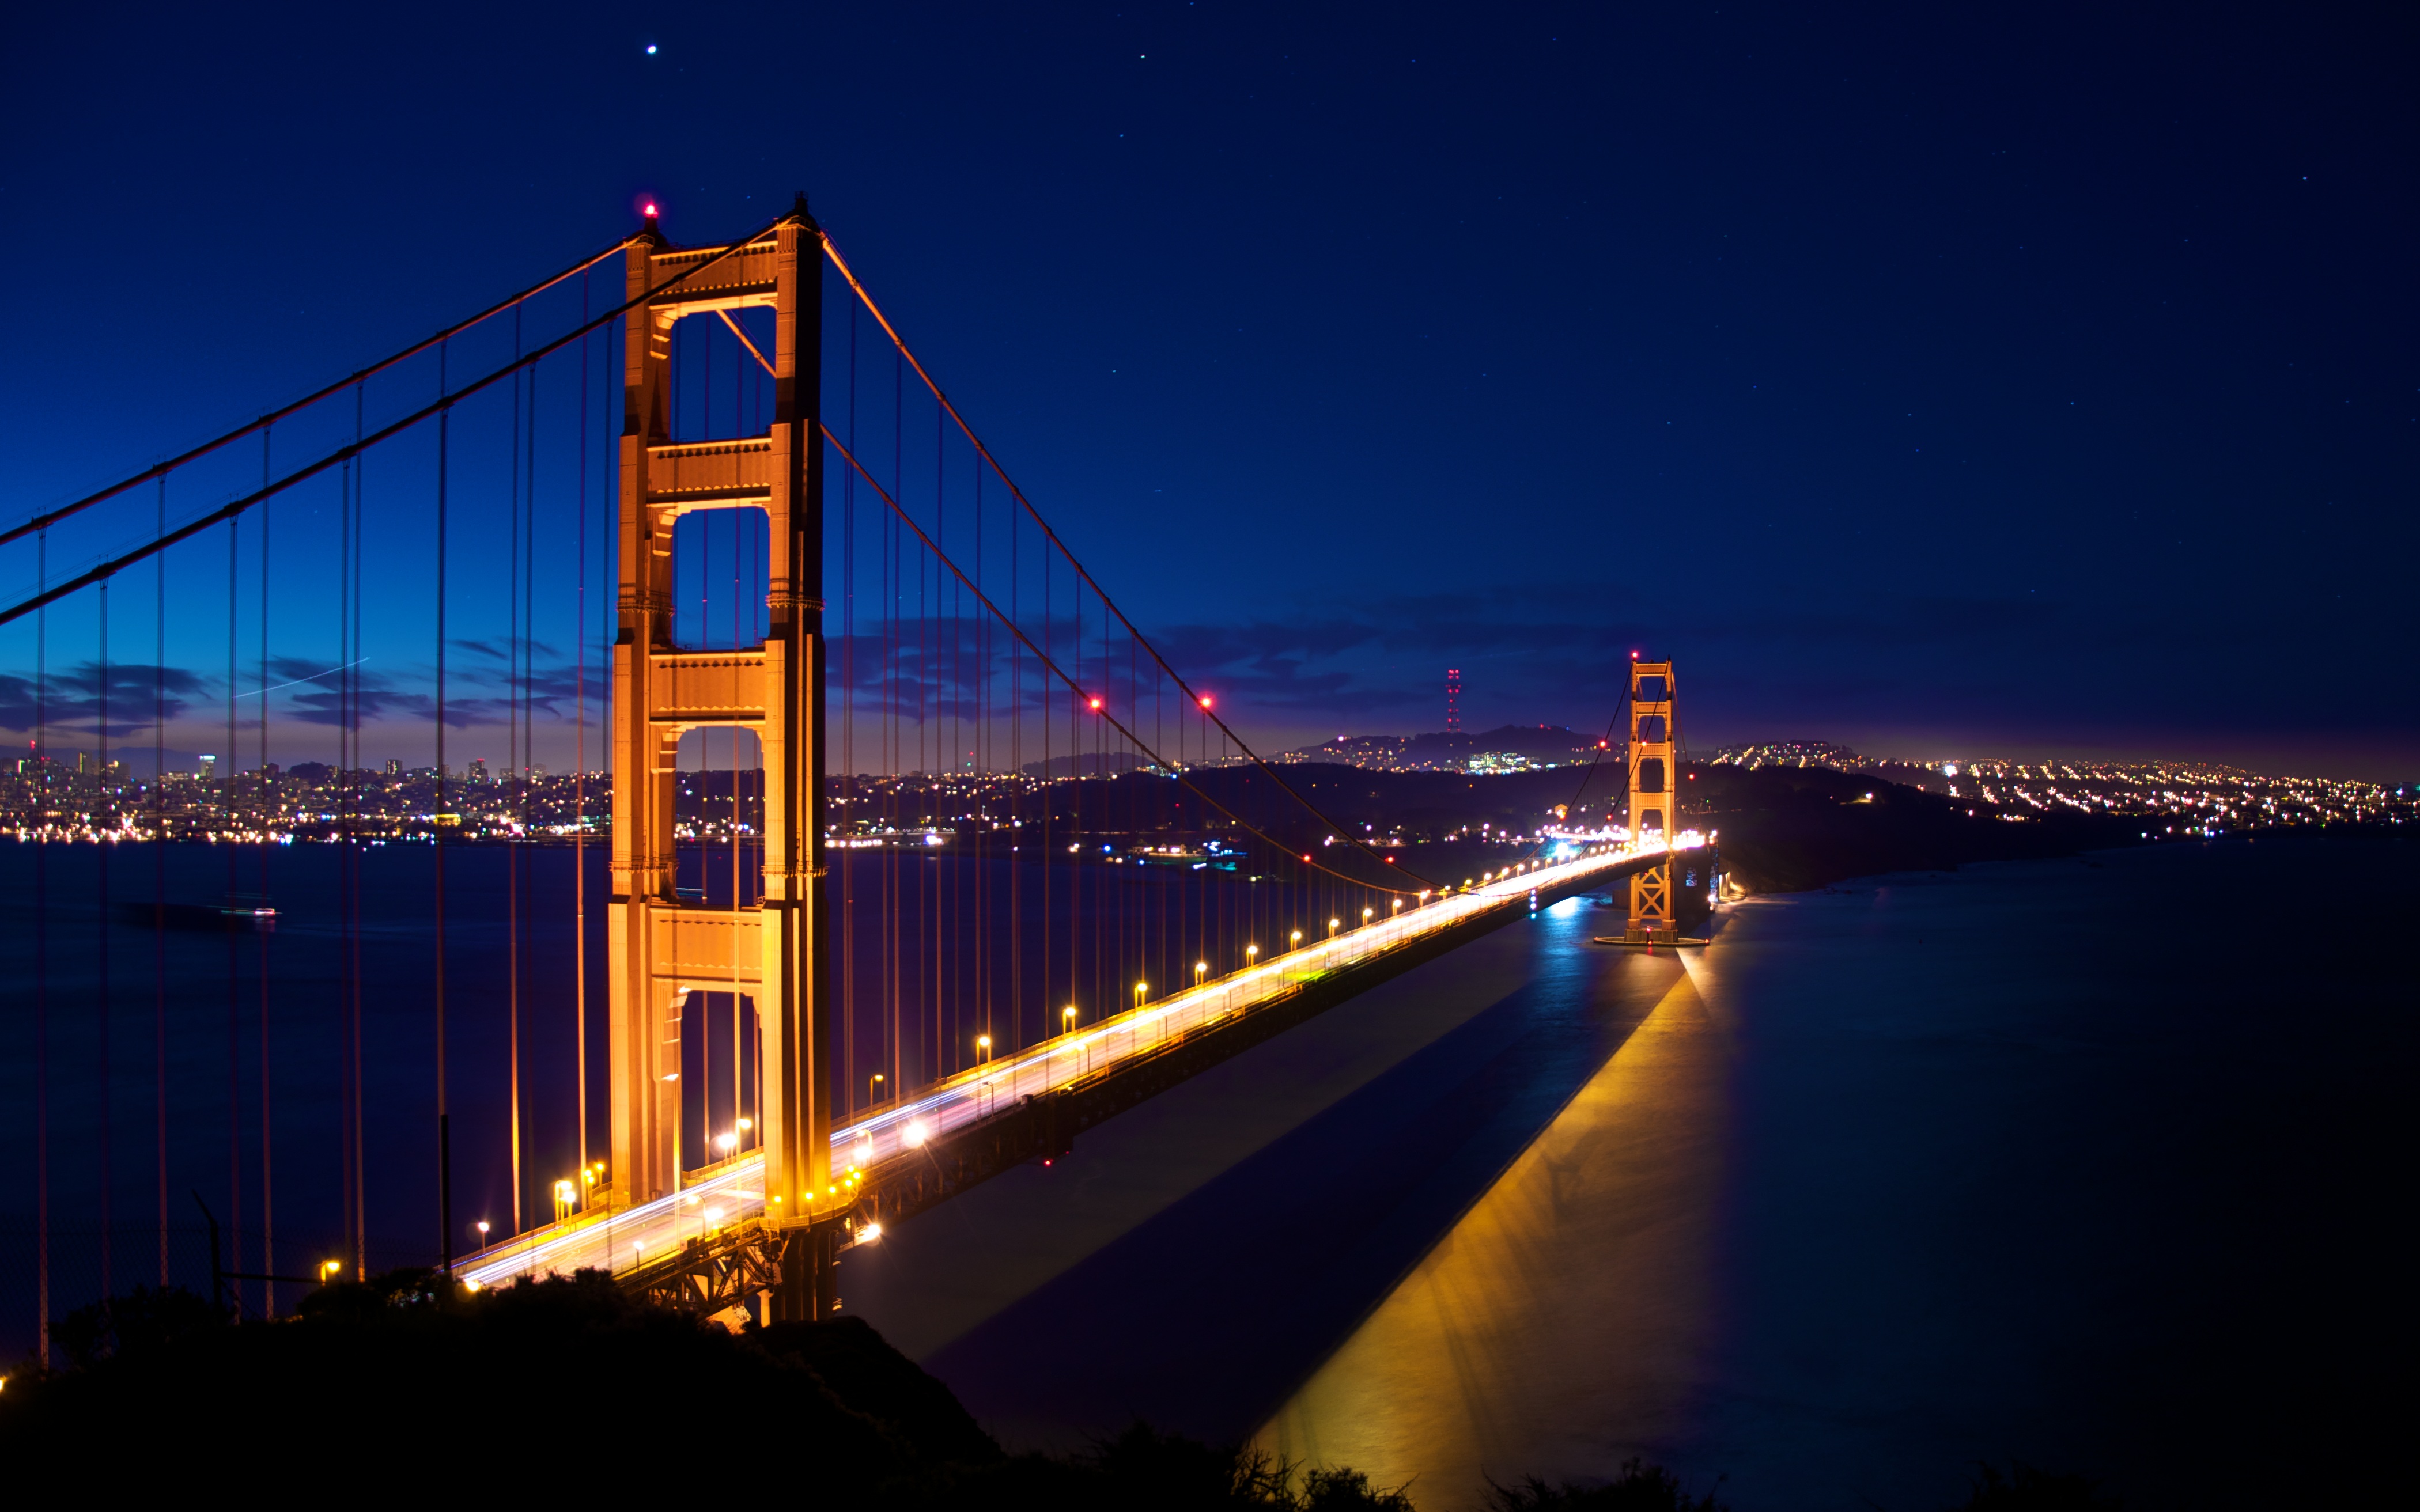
<point x="832" y="250"/>
<point x="162" y="470"/>
<point x="1098" y="706"/>
<point x="236" y="507"/>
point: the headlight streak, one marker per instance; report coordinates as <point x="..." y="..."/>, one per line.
<point x="613" y="1240"/>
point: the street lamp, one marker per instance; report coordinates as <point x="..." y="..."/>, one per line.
<point x="1252" y="956"/>
<point x="1333" y="925"/>
<point x="1139" y="992"/>
<point x="481" y="1226"/>
<point x="1297" y="939"/>
<point x="1201" y="969"/>
<point x="1366" y="913"/>
<point x="329" y="1267"/>
<point x="1398" y="907"/>
<point x="728" y="1141"/>
<point x="982" y="1048"/>
<point x="871" y="1083"/>
<point x="1068" y="1019"/>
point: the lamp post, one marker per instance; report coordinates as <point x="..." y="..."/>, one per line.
<point x="871" y="1083"/>
<point x="329" y="1267"/>
<point x="1201" y="969"/>
<point x="1139" y="988"/>
<point x="1333" y="925"/>
<point x="481" y="1226"/>
<point x="1297" y="939"/>
<point x="1365" y="914"/>
<point x="1068" y="1019"/>
<point x="983" y="1049"/>
<point x="1252" y="956"/>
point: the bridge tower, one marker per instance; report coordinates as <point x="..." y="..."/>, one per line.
<point x="1654" y="796"/>
<point x="772" y="951"/>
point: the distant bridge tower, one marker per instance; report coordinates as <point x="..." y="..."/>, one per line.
<point x="1452" y="699"/>
<point x="662" y="951"/>
<point x="1654" y="796"/>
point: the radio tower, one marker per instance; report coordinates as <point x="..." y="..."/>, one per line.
<point x="1452" y="699"/>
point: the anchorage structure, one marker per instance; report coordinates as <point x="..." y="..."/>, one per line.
<point x="1654" y="798"/>
<point x="662" y="950"/>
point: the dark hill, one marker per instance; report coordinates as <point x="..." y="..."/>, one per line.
<point x="1781" y="828"/>
<point x="1785" y="828"/>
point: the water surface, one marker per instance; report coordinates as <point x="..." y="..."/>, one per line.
<point x="2095" y="1163"/>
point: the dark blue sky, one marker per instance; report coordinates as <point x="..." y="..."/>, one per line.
<point x="1946" y="385"/>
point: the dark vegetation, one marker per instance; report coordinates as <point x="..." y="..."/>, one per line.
<point x="406" y="1385"/>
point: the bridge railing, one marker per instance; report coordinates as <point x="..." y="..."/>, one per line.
<point x="733" y="1190"/>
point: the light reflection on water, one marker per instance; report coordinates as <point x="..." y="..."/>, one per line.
<point x="1563" y="1319"/>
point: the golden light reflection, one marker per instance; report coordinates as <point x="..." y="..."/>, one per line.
<point x="1569" y="1301"/>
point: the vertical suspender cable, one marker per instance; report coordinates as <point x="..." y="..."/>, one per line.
<point x="41" y="962"/>
<point x="266" y="785"/>
<point x="512" y="756"/>
<point x="353" y="725"/>
<point x="524" y="773"/>
<point x="848" y="749"/>
<point x="228" y="833"/>
<point x="437" y="843"/>
<point x="108" y="842"/>
<point x="160" y="881"/>
<point x="579" y="779"/>
<point x="345" y="1089"/>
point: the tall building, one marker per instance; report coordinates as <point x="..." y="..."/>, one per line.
<point x="394" y="766"/>
<point x="209" y="767"/>
<point x="1453" y="699"/>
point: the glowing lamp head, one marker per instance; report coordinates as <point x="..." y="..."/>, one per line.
<point x="916" y="1133"/>
<point x="649" y="211"/>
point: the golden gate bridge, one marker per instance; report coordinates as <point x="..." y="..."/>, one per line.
<point x="789" y="1023"/>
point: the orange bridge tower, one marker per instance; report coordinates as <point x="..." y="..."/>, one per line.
<point x="769" y="949"/>
<point x="1655" y="799"/>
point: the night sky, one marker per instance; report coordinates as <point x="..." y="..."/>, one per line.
<point x="1943" y="383"/>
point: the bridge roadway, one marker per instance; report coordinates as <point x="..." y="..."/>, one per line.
<point x="715" y="1196"/>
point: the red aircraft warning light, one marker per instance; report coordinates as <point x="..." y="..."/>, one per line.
<point x="1096" y="704"/>
<point x="1205" y="701"/>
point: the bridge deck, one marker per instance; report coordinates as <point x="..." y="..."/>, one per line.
<point x="718" y="1196"/>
